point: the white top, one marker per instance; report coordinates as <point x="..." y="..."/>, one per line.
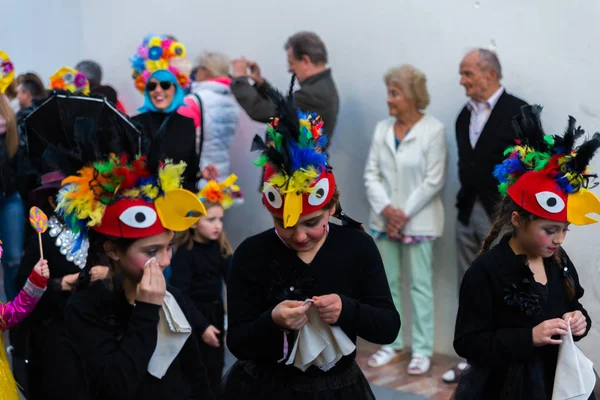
<point x="409" y="178"/>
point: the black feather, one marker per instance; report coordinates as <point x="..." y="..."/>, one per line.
<point x="528" y="127"/>
<point x="585" y="153"/>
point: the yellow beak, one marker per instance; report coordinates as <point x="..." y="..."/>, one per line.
<point x="179" y="209"/>
<point x="292" y="208"/>
<point x="580" y="204"/>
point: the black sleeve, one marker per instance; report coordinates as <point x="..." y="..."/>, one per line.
<point x="252" y="334"/>
<point x="117" y="366"/>
<point x="476" y="338"/>
<point x="372" y="314"/>
<point x="181" y="278"/>
<point x="252" y="99"/>
<point x="575" y="304"/>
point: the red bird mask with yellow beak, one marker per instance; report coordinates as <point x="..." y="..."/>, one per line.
<point x="547" y="175"/>
<point x="297" y="179"/>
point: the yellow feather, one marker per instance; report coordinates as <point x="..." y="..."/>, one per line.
<point x="170" y="176"/>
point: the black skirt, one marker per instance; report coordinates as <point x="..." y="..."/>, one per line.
<point x="246" y="377"/>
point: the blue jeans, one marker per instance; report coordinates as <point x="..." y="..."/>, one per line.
<point x="12" y="232"/>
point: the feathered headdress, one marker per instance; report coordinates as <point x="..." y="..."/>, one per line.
<point x="297" y="179"/>
<point x="159" y="53"/>
<point x="548" y="175"/>
<point x="225" y="193"/>
<point x="70" y="80"/>
<point x="7" y="72"/>
<point x="121" y="195"/>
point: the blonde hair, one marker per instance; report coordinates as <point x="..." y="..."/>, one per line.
<point x="411" y="81"/>
<point x="12" y="135"/>
<point x="216" y="63"/>
<point x="186" y="239"/>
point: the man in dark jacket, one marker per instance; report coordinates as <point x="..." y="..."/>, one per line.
<point x="307" y="58"/>
<point x="483" y="132"/>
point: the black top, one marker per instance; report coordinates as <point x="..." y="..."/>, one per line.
<point x="476" y="165"/>
<point x="317" y="93"/>
<point x="117" y="340"/>
<point x="179" y="142"/>
<point x="199" y="274"/>
<point x="500" y="303"/>
<point x="265" y="272"/>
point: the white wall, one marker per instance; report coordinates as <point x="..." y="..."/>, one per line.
<point x="549" y="49"/>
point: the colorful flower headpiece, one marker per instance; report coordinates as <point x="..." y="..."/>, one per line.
<point x="69" y="79"/>
<point x="547" y="175"/>
<point x="120" y="197"/>
<point x="225" y="193"/>
<point x="7" y="71"/>
<point x="160" y="53"/>
<point x="297" y="179"/>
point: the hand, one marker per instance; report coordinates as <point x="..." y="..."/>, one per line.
<point x="152" y="287"/>
<point x="329" y="306"/>
<point x="210" y="336"/>
<point x="68" y="282"/>
<point x="578" y="322"/>
<point x="290" y="314"/>
<point x="255" y="73"/>
<point x="210" y="172"/>
<point x="392" y="233"/>
<point x="395" y="217"/>
<point x="98" y="273"/>
<point x="542" y="334"/>
<point x="42" y="268"/>
<point x="239" y="67"/>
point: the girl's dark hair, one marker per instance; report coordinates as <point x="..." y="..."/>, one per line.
<point x="339" y="213"/>
<point x="186" y="239"/>
<point x="503" y="221"/>
<point x="97" y="255"/>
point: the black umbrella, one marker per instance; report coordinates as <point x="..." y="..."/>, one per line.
<point x="64" y="117"/>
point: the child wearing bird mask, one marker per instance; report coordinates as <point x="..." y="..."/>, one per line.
<point x="521" y="296"/>
<point x="304" y="279"/>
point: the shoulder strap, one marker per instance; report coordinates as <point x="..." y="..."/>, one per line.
<point x="200" y="130"/>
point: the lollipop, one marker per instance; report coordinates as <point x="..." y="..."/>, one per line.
<point x="39" y="222"/>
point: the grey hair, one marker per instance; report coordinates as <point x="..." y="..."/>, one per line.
<point x="489" y="59"/>
<point x="216" y="63"/>
<point x="307" y="44"/>
<point x="92" y="71"/>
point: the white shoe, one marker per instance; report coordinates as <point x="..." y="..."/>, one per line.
<point x="383" y="356"/>
<point x="419" y="364"/>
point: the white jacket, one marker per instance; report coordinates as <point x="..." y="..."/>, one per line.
<point x="409" y="178"/>
<point x="220" y="117"/>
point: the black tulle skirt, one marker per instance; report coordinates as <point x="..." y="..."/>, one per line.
<point x="247" y="379"/>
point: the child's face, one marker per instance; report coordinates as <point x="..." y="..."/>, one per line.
<point x="210" y="226"/>
<point x="132" y="261"/>
<point x="542" y="237"/>
<point x="308" y="231"/>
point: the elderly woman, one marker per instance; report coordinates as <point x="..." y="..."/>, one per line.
<point x="161" y="75"/>
<point x="404" y="175"/>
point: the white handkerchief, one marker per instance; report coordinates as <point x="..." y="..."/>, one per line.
<point x="173" y="331"/>
<point x="319" y="344"/>
<point x="575" y="378"/>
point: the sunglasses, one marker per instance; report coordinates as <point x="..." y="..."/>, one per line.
<point x="151" y="86"/>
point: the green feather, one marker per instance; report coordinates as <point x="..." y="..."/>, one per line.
<point x="549" y="139"/>
<point x="503" y="189"/>
<point x="261" y="161"/>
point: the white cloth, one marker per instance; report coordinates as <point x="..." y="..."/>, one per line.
<point x="409" y="178"/>
<point x="480" y="113"/>
<point x="173" y="331"/>
<point x="575" y="378"/>
<point x="319" y="344"/>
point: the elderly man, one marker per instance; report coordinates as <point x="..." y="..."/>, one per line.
<point x="307" y="58"/>
<point x="483" y="132"/>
